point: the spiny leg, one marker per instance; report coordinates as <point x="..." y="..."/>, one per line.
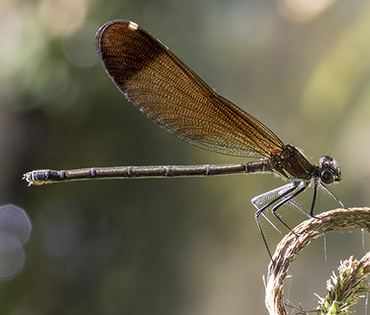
<point x="315" y="186"/>
<point x="286" y="190"/>
<point x="285" y="200"/>
<point x="331" y="194"/>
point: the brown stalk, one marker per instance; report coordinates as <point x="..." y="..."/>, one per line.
<point x="291" y="246"/>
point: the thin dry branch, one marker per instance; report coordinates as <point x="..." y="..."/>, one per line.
<point x="290" y="247"/>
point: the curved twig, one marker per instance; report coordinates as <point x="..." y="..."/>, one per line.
<point x="290" y="247"/>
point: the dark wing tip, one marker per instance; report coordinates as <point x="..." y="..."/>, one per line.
<point x="125" y="49"/>
<point x="101" y="30"/>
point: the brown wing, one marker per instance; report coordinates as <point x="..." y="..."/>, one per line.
<point x="162" y="87"/>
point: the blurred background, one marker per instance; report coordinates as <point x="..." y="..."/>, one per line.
<point x="174" y="246"/>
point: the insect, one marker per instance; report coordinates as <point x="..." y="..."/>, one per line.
<point x="169" y="93"/>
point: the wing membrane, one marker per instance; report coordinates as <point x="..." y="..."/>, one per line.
<point x="169" y="93"/>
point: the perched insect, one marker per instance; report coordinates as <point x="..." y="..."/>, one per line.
<point x="169" y="93"/>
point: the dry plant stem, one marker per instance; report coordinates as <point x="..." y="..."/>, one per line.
<point x="290" y="247"/>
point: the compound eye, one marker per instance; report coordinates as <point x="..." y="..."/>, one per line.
<point x="327" y="177"/>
